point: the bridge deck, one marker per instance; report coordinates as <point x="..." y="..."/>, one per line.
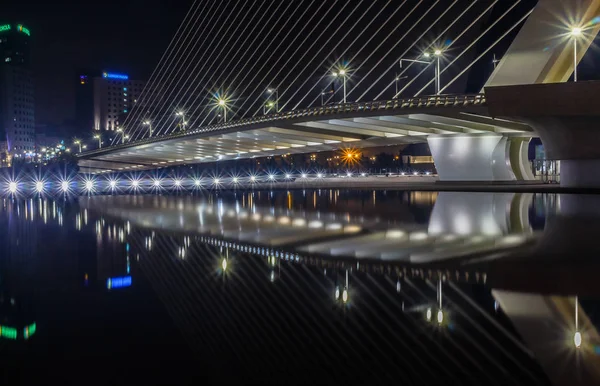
<point x="308" y="130"/>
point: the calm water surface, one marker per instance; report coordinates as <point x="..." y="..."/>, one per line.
<point x="324" y="286"/>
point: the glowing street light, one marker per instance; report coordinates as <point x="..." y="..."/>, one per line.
<point x="223" y="104"/>
<point x="183" y="122"/>
<point x="99" y="138"/>
<point x="149" y="124"/>
<point x="343" y="73"/>
<point x="112" y="184"/>
<point x="438" y="86"/>
<point x="575" y="34"/>
<point x="224" y="264"/>
<point x="157" y="183"/>
<point x="39" y="186"/>
<point x="438" y="53"/>
<point x="64" y="185"/>
<point x="12" y="187"/>
<point x="275" y="92"/>
<point x="76" y="142"/>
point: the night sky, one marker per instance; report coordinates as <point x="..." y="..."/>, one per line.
<point x="131" y="36"/>
<point x="121" y="36"/>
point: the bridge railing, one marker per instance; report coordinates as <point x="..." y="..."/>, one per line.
<point x="339" y="108"/>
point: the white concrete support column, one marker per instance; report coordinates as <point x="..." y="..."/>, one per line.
<point x="471" y="157"/>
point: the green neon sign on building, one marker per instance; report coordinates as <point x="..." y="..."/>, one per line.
<point x="20" y="28"/>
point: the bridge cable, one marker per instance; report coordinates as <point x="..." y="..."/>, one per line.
<point x="487" y="50"/>
<point x="207" y="94"/>
<point x="315" y="40"/>
<point x="373" y="35"/>
<point x="438" y="38"/>
<point x="149" y="87"/>
<point x="268" y="61"/>
<point x="154" y="89"/>
<point x="431" y="25"/>
<point x="220" y="62"/>
<point x="472" y="44"/>
<point x="222" y="24"/>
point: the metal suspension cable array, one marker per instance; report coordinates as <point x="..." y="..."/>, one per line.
<point x="464" y="31"/>
<point x="164" y="56"/>
<point x="222" y="24"/>
<point x="407" y="50"/>
<point x="246" y="55"/>
<point x="488" y="49"/>
<point x="373" y="35"/>
<point x="153" y="91"/>
<point x="440" y="35"/>
<point x="264" y="62"/>
<point x="340" y="42"/>
<point x="165" y="112"/>
<point x="474" y="42"/>
<point x="323" y="46"/>
<point x="210" y="69"/>
<point x="315" y="41"/>
<point x="226" y="91"/>
<point x="207" y="94"/>
<point x="291" y="44"/>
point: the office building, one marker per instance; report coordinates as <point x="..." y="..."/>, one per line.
<point x="104" y="99"/>
<point x="17" y="105"/>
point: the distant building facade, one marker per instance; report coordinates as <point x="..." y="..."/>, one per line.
<point x="17" y="104"/>
<point x="104" y="99"/>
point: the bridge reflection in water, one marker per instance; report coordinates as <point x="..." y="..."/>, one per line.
<point x="422" y="287"/>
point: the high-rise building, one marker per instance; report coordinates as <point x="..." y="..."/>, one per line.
<point x="17" y="105"/>
<point x="104" y="99"/>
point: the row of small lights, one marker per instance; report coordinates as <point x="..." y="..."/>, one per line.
<point x="90" y="185"/>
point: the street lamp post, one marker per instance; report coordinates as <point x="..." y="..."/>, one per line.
<point x="427" y="55"/>
<point x="575" y="33"/>
<point x="438" y="55"/>
<point x="274" y="91"/>
<point x="267" y="107"/>
<point x="223" y="104"/>
<point x="99" y="138"/>
<point x="182" y="115"/>
<point x="397" y="79"/>
<point x="149" y="124"/>
<point x="78" y="142"/>
<point x="342" y="73"/>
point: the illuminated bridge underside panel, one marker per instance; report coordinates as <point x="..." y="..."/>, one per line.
<point x="304" y="135"/>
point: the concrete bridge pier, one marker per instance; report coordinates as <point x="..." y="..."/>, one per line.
<point x="567" y="119"/>
<point x="486" y="157"/>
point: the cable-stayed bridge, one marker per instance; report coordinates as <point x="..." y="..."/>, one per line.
<point x="250" y="79"/>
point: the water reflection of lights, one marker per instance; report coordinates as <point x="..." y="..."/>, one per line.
<point x="89" y="185"/>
